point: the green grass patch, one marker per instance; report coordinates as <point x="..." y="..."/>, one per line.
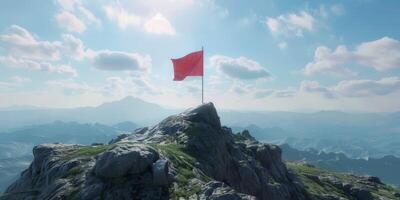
<point x="73" y="172"/>
<point x="184" y="163"/>
<point x="315" y="187"/>
<point x="74" y="194"/>
<point x="88" y="151"/>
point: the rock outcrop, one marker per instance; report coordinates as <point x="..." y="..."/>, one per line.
<point x="186" y="156"/>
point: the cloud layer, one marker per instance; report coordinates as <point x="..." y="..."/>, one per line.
<point x="121" y="61"/>
<point x="157" y="24"/>
<point x="239" y="68"/>
<point x="382" y="54"/>
<point x="291" y="24"/>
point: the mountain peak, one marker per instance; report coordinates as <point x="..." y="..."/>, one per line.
<point x="203" y="113"/>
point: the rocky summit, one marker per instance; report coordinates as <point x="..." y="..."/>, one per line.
<point x="185" y="156"/>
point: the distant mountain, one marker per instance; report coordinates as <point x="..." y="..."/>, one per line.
<point x="127" y="109"/>
<point x="359" y="141"/>
<point x="126" y="126"/>
<point x="16" y="146"/>
<point x="356" y="134"/>
<point x="387" y="168"/>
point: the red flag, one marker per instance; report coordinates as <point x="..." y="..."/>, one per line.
<point x="189" y="65"/>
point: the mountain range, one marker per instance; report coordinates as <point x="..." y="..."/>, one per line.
<point x="358" y="135"/>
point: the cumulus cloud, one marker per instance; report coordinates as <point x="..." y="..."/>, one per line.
<point x="73" y="47"/>
<point x="354" y="88"/>
<point x="74" y="16"/>
<point x="291" y="24"/>
<point x="239" y="68"/>
<point x="382" y="54"/>
<point x="132" y="85"/>
<point x="282" y="45"/>
<point x="121" y="61"/>
<point x="22" y="44"/>
<point x="70" y="22"/>
<point x="328" y="61"/>
<point x="13" y="62"/>
<point x="315" y="87"/>
<point x="19" y="42"/>
<point x="159" y="25"/>
<point x="362" y="88"/>
<point x="123" y="18"/>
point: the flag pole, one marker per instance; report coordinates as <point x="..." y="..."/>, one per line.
<point x="202" y="79"/>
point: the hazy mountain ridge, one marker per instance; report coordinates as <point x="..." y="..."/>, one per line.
<point x="356" y="134"/>
<point x="127" y="109"/>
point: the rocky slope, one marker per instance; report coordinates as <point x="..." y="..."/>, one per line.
<point x="186" y="156"/>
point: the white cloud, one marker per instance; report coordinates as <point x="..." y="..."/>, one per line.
<point x="282" y="45"/>
<point x="239" y="68"/>
<point x="382" y="54"/>
<point x="123" y="18"/>
<point x="21" y="63"/>
<point x="284" y="93"/>
<point x="74" y="16"/>
<point x="328" y="62"/>
<point x="337" y="9"/>
<point x="315" y="87"/>
<point x="19" y="42"/>
<point x="121" y="61"/>
<point x="14" y="82"/>
<point x="291" y="24"/>
<point x="354" y="88"/>
<point x="70" y="22"/>
<point x="67" y="4"/>
<point x="261" y="93"/>
<point x="362" y="88"/>
<point x="73" y="47"/>
<point x="89" y="16"/>
<point x="159" y="25"/>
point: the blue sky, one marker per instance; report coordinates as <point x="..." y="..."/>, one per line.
<point x="263" y="55"/>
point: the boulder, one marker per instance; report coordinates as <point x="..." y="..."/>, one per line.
<point x="124" y="159"/>
<point x="160" y="172"/>
<point x="361" y="193"/>
<point x="215" y="190"/>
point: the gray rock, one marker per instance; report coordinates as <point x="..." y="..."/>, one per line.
<point x="124" y="159"/>
<point x="160" y="172"/>
<point x="216" y="190"/>
<point x="361" y="193"/>
<point x="396" y="194"/>
<point x="373" y="179"/>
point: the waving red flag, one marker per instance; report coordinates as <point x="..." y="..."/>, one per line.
<point x="189" y="65"/>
